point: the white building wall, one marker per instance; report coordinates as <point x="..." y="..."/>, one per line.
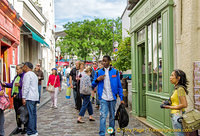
<point x="125" y="23"/>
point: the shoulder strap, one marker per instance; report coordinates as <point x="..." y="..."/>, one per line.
<point x="117" y="72"/>
<point x="55" y="80"/>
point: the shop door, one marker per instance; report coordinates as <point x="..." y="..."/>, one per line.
<point x="141" y="81"/>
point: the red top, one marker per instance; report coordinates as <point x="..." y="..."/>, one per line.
<point x="52" y="80"/>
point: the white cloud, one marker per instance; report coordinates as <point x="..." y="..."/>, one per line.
<point x="73" y="10"/>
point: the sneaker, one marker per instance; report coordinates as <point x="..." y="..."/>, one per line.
<point x="55" y="107"/>
<point x="51" y="105"/>
<point x="17" y="131"/>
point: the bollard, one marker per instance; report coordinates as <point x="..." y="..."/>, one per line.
<point x="125" y="91"/>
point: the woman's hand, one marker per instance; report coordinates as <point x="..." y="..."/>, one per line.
<point x="1" y="93"/>
<point x="167" y="107"/>
<point x="60" y="89"/>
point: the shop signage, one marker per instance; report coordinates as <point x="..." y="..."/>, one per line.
<point x="143" y="11"/>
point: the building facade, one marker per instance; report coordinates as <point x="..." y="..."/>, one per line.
<point x="37" y="42"/>
<point x="164" y="37"/>
<point x="10" y="23"/>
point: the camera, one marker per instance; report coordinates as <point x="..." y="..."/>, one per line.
<point x="167" y="102"/>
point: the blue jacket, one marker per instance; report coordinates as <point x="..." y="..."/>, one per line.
<point x="115" y="83"/>
<point x="10" y="85"/>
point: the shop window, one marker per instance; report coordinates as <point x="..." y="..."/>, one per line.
<point x="155" y="55"/>
<point x="149" y="57"/>
<point x="141" y="35"/>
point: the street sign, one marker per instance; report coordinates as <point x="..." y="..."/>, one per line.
<point x="115" y="50"/>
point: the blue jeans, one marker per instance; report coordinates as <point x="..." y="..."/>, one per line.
<point x="2" y="119"/>
<point x="176" y="125"/>
<point x="87" y="105"/>
<point x="39" y="91"/>
<point x="32" y="122"/>
<point x="105" y="107"/>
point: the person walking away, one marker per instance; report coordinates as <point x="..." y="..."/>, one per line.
<point x="85" y="91"/>
<point x="178" y="99"/>
<point x="16" y="93"/>
<point x="30" y="97"/>
<point x="97" y="99"/>
<point x="63" y="73"/>
<point x="95" y="67"/>
<point x="67" y="72"/>
<point x="40" y="76"/>
<point x="73" y="81"/>
<point x="109" y="86"/>
<point x="81" y="73"/>
<point x="54" y="80"/>
<point x="60" y="77"/>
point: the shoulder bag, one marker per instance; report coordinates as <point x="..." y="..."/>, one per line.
<point x="51" y="88"/>
<point x="191" y="119"/>
<point x="4" y="102"/>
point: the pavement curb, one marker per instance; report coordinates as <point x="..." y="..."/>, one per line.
<point x="41" y="105"/>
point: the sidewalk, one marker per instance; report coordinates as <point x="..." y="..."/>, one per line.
<point x="10" y="121"/>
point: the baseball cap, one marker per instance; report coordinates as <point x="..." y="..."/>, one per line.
<point x="54" y="69"/>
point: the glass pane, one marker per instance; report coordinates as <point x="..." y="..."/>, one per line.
<point x="150" y="58"/>
<point x="155" y="59"/>
<point x="141" y="35"/>
<point x="160" y="52"/>
<point x="143" y="70"/>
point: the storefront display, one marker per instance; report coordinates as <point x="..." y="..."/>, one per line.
<point x="196" y="81"/>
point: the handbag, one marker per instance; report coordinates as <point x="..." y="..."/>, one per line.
<point x="191" y="119"/>
<point x="51" y="88"/>
<point x="4" y="102"/>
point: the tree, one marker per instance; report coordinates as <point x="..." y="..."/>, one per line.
<point x="122" y="59"/>
<point x="90" y="37"/>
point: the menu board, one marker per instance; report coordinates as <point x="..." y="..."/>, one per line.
<point x="196" y="82"/>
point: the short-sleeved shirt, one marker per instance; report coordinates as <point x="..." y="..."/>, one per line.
<point x="179" y="91"/>
<point x="73" y="74"/>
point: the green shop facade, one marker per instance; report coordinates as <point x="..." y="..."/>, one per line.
<point x="151" y="27"/>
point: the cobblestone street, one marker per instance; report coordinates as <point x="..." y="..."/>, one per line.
<point x="62" y="121"/>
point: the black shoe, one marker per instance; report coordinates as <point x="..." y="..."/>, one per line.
<point x="23" y="131"/>
<point x="17" y="131"/>
<point x="113" y="134"/>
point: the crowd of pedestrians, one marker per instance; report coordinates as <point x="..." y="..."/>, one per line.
<point x="100" y="78"/>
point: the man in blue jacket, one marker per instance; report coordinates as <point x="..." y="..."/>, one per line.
<point x="109" y="86"/>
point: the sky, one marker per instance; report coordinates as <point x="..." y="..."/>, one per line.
<point x="77" y="10"/>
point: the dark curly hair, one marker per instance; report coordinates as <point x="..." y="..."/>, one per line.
<point x="183" y="80"/>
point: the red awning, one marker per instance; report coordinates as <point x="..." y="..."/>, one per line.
<point x="62" y="63"/>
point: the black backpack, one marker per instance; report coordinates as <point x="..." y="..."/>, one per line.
<point x="122" y="116"/>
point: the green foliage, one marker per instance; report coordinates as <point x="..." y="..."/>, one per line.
<point x="90" y="37"/>
<point x="122" y="60"/>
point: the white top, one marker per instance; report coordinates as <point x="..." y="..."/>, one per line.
<point x="30" y="86"/>
<point x="107" y="91"/>
<point x="67" y="71"/>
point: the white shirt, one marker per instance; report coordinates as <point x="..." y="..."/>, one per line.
<point x="30" y="86"/>
<point x="68" y="70"/>
<point x="107" y="91"/>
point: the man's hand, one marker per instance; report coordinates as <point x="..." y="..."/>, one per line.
<point x="17" y="84"/>
<point x="100" y="78"/>
<point x="1" y="93"/>
<point x="60" y="89"/>
<point x="71" y="86"/>
<point x="122" y="102"/>
<point x="4" y="84"/>
<point x="24" y="101"/>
